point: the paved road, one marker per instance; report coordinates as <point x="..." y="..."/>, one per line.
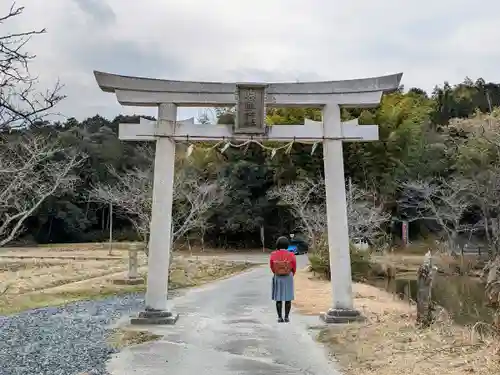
<point x="229" y="328"/>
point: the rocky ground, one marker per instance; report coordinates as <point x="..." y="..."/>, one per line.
<point x="68" y="334"/>
<point x="66" y="340"/>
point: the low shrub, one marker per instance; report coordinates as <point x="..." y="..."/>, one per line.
<point x="361" y="265"/>
<point x="319" y="259"/>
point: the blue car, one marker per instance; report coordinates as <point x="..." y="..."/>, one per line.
<point x="298" y="246"/>
<point x="293" y="249"/>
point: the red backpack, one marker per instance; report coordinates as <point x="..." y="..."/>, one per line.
<point x="282" y="267"/>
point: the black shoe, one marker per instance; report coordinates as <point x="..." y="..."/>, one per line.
<point x="287" y="320"/>
<point x="280" y="320"/>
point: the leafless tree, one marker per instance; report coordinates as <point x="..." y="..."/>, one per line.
<point x="20" y="102"/>
<point x="193" y="198"/>
<point x="132" y="193"/>
<point x="366" y="216"/>
<point x="306" y="199"/>
<point x="441" y="201"/>
<point x="298" y="196"/>
<point x="32" y="168"/>
<point x="484" y="191"/>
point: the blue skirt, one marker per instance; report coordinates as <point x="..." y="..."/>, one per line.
<point x="283" y="288"/>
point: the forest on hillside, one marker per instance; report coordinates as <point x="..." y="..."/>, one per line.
<point x="437" y="166"/>
<point x="431" y="167"/>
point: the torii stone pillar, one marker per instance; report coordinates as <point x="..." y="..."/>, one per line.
<point x="168" y="95"/>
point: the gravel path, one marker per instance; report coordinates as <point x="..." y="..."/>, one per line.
<point x="65" y="340"/>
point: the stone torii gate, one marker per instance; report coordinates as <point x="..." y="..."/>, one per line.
<point x="251" y="100"/>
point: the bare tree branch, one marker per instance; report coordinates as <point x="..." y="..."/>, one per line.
<point x="32" y="168"/>
<point x="193" y="198"/>
<point x="366" y="217"/>
<point x="443" y="201"/>
<point x="132" y="193"/>
<point x="20" y="103"/>
<point x="297" y="197"/>
<point x="306" y="199"/>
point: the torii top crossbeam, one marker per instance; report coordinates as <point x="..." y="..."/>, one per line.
<point x="139" y="91"/>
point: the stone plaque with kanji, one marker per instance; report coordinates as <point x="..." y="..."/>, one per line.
<point x="250" y="108"/>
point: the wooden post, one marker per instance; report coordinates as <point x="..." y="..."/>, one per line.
<point x="110" y="228"/>
<point x="425" y="308"/>
<point x="404" y="233"/>
<point x="262" y="238"/>
<point x="490" y="276"/>
<point x="493" y="248"/>
<point x="407" y="292"/>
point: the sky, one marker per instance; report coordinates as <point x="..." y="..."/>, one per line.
<point x="260" y="40"/>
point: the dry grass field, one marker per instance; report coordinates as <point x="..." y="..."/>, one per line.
<point x="49" y="276"/>
<point x="388" y="342"/>
<point x="403" y="263"/>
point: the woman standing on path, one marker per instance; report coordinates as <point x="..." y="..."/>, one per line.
<point x="284" y="265"/>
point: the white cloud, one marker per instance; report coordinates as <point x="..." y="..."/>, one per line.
<point x="430" y="41"/>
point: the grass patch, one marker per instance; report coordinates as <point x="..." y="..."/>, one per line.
<point x="409" y="263"/>
<point x="121" y="338"/>
<point x="417" y="247"/>
<point x="319" y="259"/>
<point x="16" y="304"/>
<point x="214" y="271"/>
<point x="88" y="246"/>
<point x="389" y="342"/>
<point x="96" y="288"/>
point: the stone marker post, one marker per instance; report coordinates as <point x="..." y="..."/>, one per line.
<point x="132" y="277"/>
<point x="133" y="267"/>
